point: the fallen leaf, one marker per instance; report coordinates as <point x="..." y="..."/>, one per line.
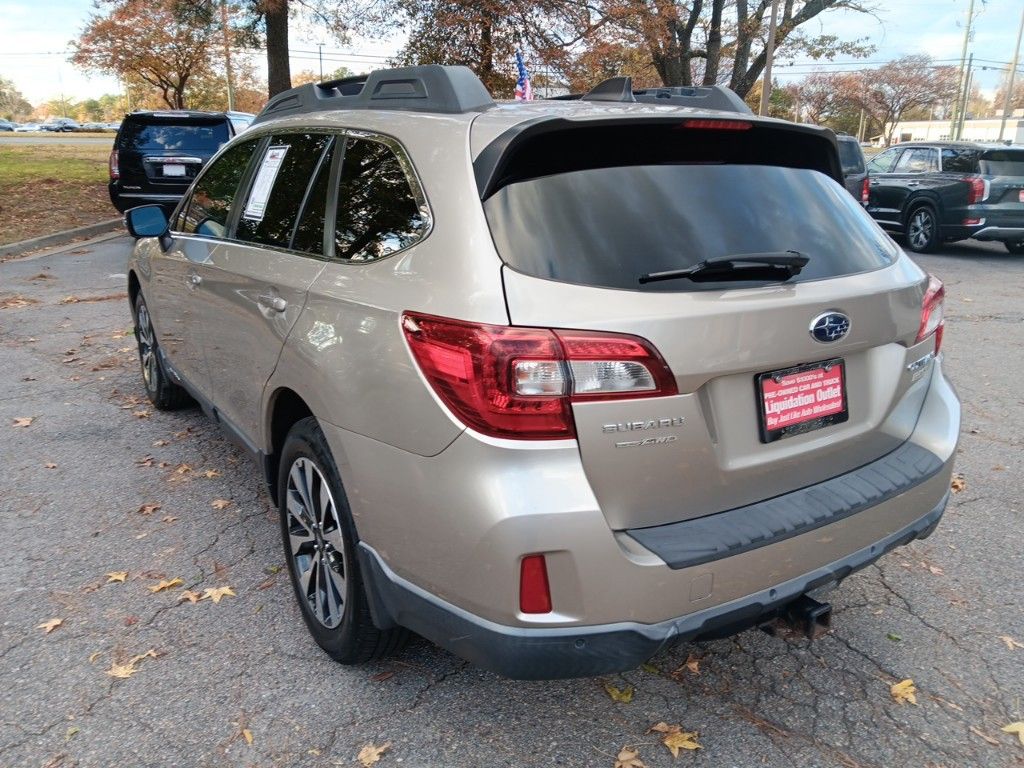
<point x="623" y="695"/>
<point x="272" y="569"/>
<point x="382" y="676"/>
<point x="192" y="597"/>
<point x="650" y="668"/>
<point x="693" y="664"/>
<point x="211" y="473"/>
<point x="145" y="461"/>
<point x="50" y="465"/>
<point x="166" y="584"/>
<point x="629" y="758"/>
<point x="161" y="443"/>
<point x="220" y="504"/>
<point x="983" y="735"/>
<point x="216" y="593"/>
<point x="182" y="469"/>
<point x="247" y="735"/>
<point x="70" y="733"/>
<point x="148" y="509"/>
<point x="904" y="690"/>
<point x="371" y="753"/>
<point x="894" y="637"/>
<point x="1010" y="642"/>
<point x="168" y="519"/>
<point x="141" y="414"/>
<point x="675" y="738"/>
<point x="130" y="667"/>
<point x="117" y="576"/>
<point x="24" y="421"/>
<point x="94" y="655"/>
<point x="958" y="483"/>
<point x="69" y="300"/>
<point x="1017" y="727"/>
<point x="49" y="626"/>
<point x="935" y="570"/>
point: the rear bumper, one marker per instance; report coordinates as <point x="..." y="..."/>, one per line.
<point x="1001" y="234"/>
<point x="563" y="652"/>
<point x="125" y="200"/>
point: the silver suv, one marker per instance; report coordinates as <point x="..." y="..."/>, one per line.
<point x="553" y="384"/>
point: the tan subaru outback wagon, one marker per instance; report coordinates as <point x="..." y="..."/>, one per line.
<point x="554" y="384"/>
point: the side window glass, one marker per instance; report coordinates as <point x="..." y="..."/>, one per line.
<point x="309" y="233"/>
<point x="959" y="161"/>
<point x="378" y="211"/>
<point x="279" y="188"/>
<point x="920" y="160"/>
<point x="207" y="212"/>
<point x="883" y="162"/>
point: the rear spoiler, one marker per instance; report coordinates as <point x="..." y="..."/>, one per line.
<point x="547" y="145"/>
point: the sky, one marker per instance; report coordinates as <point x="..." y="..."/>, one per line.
<point x="34" y="43"/>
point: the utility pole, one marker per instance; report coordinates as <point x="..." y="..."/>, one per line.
<point x="769" y="54"/>
<point x="966" y="99"/>
<point x="860" y="127"/>
<point x="227" y="53"/>
<point x="960" y="82"/>
<point x="320" y="51"/>
<point x="1008" y="101"/>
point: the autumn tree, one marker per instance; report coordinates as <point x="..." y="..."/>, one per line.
<point x="164" y="43"/>
<point x="890" y="92"/>
<point x="12" y="103"/>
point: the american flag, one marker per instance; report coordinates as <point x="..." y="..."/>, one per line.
<point x="524" y="91"/>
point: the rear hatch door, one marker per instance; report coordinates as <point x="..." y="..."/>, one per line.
<point x="1003" y="171"/>
<point x="164" y="152"/>
<point x="578" y="227"/>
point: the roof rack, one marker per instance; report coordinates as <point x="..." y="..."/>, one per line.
<point x="620" y="90"/>
<point x="425" y="88"/>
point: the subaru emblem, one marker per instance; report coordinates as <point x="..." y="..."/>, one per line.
<point x="829" y="327"/>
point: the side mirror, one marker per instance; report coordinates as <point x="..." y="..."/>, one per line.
<point x="146" y="221"/>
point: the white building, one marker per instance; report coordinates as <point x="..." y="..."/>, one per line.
<point x="984" y="129"/>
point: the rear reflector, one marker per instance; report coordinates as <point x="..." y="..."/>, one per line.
<point x="717" y="125"/>
<point x="520" y="383"/>
<point x="534" y="592"/>
<point x="931" y="312"/>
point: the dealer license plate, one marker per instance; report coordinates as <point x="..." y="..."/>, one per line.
<point x="796" y="400"/>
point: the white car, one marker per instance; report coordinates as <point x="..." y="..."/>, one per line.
<point x="28" y="128"/>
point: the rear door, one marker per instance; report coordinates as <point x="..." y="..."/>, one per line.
<point x="575" y="243"/>
<point x="882" y="194"/>
<point x="162" y="153"/>
<point x="1003" y="170"/>
<point x="254" y="284"/>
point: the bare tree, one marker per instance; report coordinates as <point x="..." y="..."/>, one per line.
<point x="893" y="90"/>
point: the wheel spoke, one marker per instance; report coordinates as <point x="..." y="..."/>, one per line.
<point x="297" y="510"/>
<point x="305" y="576"/>
<point x="338" y="580"/>
<point x="302" y="541"/>
<point x="298" y="481"/>
<point x="320" y="587"/>
<point x="330" y="588"/>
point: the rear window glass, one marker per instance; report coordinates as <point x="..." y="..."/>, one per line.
<point x="1002" y="162"/>
<point x="608" y="226"/>
<point x="850" y="156"/>
<point x="208" y="137"/>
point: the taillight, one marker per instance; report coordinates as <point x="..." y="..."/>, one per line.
<point x="505" y="381"/>
<point x="115" y="172"/>
<point x="977" y="189"/>
<point x="931" y="312"/>
<point x="534" y="592"/>
<point x="717" y="125"/>
<point x="865" y="191"/>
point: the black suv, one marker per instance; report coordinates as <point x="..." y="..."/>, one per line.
<point x="855" y="175"/>
<point x="936" y="192"/>
<point x="156" y="155"/>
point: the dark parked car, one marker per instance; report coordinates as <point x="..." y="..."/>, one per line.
<point x="156" y="155"/>
<point x="7" y="125"/>
<point x="60" y="125"/>
<point x="855" y="174"/>
<point x="936" y="192"/>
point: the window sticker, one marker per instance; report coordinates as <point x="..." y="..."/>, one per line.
<point x="264" y="183"/>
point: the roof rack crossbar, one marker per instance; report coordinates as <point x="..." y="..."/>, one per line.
<point x="620" y="89"/>
<point x="425" y="88"/>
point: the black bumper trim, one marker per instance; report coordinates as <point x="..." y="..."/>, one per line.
<point x="529" y="653"/>
<point x="724" y="534"/>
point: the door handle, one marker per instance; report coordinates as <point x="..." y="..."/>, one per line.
<point x="275" y="303"/>
<point x="874" y="183"/>
<point x="913" y="183"/>
<point x="195" y="279"/>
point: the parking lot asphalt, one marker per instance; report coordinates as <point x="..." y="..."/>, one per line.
<point x="99" y="483"/>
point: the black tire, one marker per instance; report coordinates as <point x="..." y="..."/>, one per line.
<point x="344" y="631"/>
<point x="1016" y="248"/>
<point x="922" y="229"/>
<point x="163" y="393"/>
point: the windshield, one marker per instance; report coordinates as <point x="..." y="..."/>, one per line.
<point x="1002" y="162"/>
<point x="607" y="226"/>
<point x="200" y="137"/>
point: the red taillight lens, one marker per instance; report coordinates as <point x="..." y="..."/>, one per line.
<point x="865" y="191"/>
<point x="977" y="190"/>
<point x="931" y="312"/>
<point x="717" y="125"/>
<point x="534" y="591"/>
<point x="115" y="172"/>
<point x="519" y="383"/>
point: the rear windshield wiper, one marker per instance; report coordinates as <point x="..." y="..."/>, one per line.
<point x="777" y="265"/>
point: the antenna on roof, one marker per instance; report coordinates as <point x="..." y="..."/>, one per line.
<point x="618" y="89"/>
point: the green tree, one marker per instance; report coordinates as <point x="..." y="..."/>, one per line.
<point x="12" y="104"/>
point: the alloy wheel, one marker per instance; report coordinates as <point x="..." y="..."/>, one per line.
<point x="147" y="350"/>
<point x="921" y="226"/>
<point x="317" y="542"/>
